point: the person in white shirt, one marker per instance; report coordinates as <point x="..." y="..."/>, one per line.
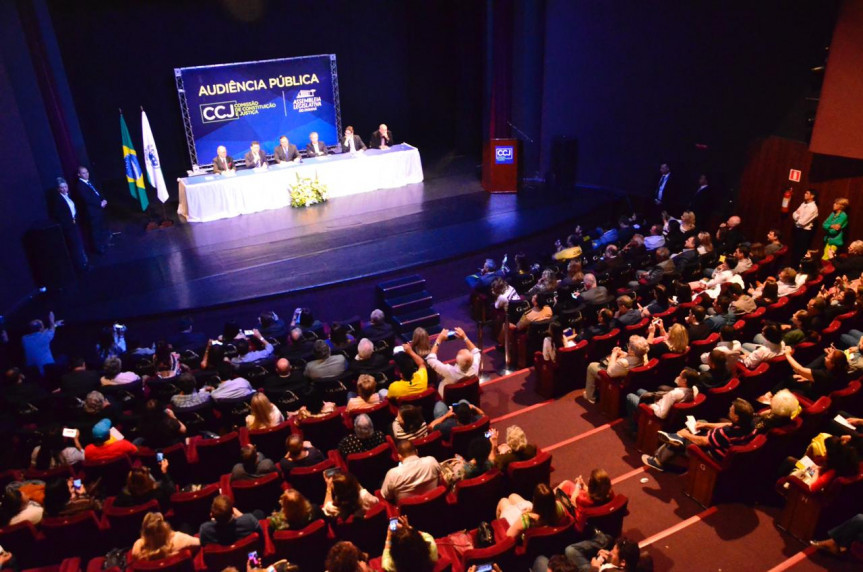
<point x="804" y="218"/>
<point x="655" y="239"/>
<point x="413" y="476"/>
<point x="466" y="361"/>
<point x="768" y="345"/>
<point x="684" y="390"/>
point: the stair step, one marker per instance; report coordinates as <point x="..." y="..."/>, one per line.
<point x="401" y="286"/>
<point x="409" y="303"/>
<point x="427" y="318"/>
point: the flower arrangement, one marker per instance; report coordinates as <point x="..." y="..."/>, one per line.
<point x="307" y="191"/>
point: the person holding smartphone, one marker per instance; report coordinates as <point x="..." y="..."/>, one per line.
<point x="408" y="549"/>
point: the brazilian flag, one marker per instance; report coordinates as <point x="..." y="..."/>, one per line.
<point x="134" y="176"/>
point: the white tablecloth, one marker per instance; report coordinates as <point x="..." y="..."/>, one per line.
<point x="211" y="197"/>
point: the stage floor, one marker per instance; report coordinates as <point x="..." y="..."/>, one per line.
<point x="193" y="266"/>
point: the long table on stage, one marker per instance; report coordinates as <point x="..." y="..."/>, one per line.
<point x="211" y="197"/>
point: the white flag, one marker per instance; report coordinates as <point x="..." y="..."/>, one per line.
<point x="151" y="160"/>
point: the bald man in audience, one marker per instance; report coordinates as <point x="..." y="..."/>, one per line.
<point x="466" y="361"/>
<point x="285" y="378"/>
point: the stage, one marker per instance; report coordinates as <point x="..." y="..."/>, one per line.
<point x="189" y="267"/>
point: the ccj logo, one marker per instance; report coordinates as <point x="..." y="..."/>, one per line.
<point x="219" y="111"/>
<point x="503" y="155"/>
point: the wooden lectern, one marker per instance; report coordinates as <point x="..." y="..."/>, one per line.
<point x="500" y="166"/>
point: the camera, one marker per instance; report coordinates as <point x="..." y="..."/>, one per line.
<point x="254" y="559"/>
<point x="394" y="523"/>
<point x="451" y="335"/>
<point x="77" y="484"/>
<point x="160" y="456"/>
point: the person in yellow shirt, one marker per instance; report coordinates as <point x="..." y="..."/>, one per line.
<point x="414" y="372"/>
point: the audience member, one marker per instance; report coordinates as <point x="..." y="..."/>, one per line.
<point x="80" y="381"/>
<point x="516" y="447"/>
<point x="55" y="450"/>
<point x="141" y="487"/>
<point x="378" y="329"/>
<point x="246" y="352"/>
<point x="264" y="414"/>
<point x="459" y="414"/>
<point x="413" y="370"/>
<point x="345" y="497"/>
<point x="189" y="396"/>
<point x="413" y="476"/>
<point x="299" y="454"/>
<point x="252" y="465"/>
<point x="107" y="444"/>
<point x="227" y="525"/>
<point x="364" y="437"/>
<point x="186" y="338"/>
<point x="113" y="374"/>
<point x="344" y="556"/>
<point x="596" y="492"/>
<point x="719" y="437"/>
<point x="325" y="365"/>
<point x="37" y="343"/>
<point x="295" y="512"/>
<point x="159" y="427"/>
<point x="466" y="361"/>
<point x="409" y="423"/>
<point x="158" y="540"/>
<point x="520" y="514"/>
<point x="367" y="360"/>
<point x="617" y="364"/>
<point x="285" y="378"/>
<point x="408" y="549"/>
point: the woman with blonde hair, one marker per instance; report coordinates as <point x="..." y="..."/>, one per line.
<point x="264" y="414"/>
<point x="295" y="512"/>
<point x="159" y="541"/>
<point x="834" y="228"/>
<point x="705" y="243"/>
<point x="675" y="341"/>
<point x="420" y="342"/>
<point x="516" y="447"/>
<point x="687" y="224"/>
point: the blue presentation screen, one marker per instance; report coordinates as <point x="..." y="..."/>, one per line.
<point x="235" y="104"/>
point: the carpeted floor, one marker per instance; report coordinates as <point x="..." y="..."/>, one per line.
<point x="680" y="533"/>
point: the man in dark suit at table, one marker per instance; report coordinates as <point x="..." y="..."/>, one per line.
<point x="315" y="148"/>
<point x="64" y="212"/>
<point x="94" y="206"/>
<point x="255" y="157"/>
<point x="286" y="151"/>
<point x="222" y="162"/>
<point x="351" y="142"/>
<point x="382" y="138"/>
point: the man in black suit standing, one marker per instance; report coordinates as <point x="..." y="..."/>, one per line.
<point x="286" y="151"/>
<point x="255" y="157"/>
<point x="94" y="205"/>
<point x="351" y="142"/>
<point x="382" y="138"/>
<point x="663" y="194"/>
<point x="222" y="162"/>
<point x="703" y="203"/>
<point x="315" y="148"/>
<point x="64" y="212"/>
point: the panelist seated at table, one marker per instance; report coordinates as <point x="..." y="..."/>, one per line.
<point x="255" y="157"/>
<point x="382" y="138"/>
<point x="222" y="162"/>
<point x="316" y="148"/>
<point x="286" y="151"/>
<point x="351" y="142"/>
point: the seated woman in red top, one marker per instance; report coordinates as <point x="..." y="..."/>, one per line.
<point x="597" y="492"/>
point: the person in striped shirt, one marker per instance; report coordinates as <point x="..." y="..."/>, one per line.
<point x="716" y="442"/>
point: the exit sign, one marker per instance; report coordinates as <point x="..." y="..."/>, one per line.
<point x="794" y="175"/>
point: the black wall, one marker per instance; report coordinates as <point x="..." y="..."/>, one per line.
<point x="411" y="65"/>
<point x="638" y="83"/>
